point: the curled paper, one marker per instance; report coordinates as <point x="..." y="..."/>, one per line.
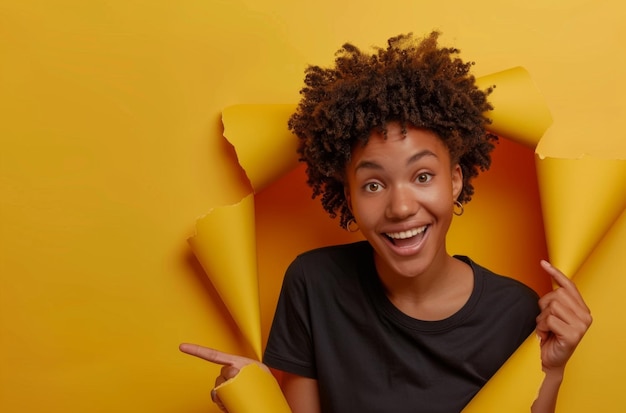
<point x="225" y="246"/>
<point x="581" y="199"/>
<point x="252" y="390"/>
<point x="520" y="112"/>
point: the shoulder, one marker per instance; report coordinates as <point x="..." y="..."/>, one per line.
<point x="328" y="266"/>
<point x="344" y="256"/>
<point x="341" y="251"/>
<point x="496" y="280"/>
<point x="500" y="290"/>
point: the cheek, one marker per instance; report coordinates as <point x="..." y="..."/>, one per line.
<point x="445" y="210"/>
<point x="366" y="210"/>
<point x="444" y="201"/>
<point x="439" y="203"/>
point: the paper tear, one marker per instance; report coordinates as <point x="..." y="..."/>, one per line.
<point x="266" y="150"/>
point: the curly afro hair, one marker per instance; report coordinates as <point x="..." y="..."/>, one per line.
<point x="414" y="82"/>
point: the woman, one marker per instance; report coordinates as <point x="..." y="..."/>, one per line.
<point x="392" y="141"/>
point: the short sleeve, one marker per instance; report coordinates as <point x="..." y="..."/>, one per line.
<point x="290" y="344"/>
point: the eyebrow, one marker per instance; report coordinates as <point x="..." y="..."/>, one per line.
<point x="414" y="158"/>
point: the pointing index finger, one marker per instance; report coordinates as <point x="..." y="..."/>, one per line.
<point x="214" y="356"/>
<point x="560" y="278"/>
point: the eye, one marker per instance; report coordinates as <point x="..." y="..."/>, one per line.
<point x="372" y="187"/>
<point x="424" y="177"/>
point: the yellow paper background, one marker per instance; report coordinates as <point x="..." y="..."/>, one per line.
<point x="111" y="147"/>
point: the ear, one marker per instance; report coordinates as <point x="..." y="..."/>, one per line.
<point x="457" y="181"/>
<point x="346" y="193"/>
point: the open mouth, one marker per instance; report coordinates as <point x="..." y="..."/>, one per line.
<point x="407" y="238"/>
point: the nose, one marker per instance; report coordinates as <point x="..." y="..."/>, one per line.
<point x="402" y="203"/>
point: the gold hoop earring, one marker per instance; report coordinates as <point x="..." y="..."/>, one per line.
<point x="458" y="210"/>
<point x="351" y="225"/>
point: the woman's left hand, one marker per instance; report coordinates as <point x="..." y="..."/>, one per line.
<point x="563" y="321"/>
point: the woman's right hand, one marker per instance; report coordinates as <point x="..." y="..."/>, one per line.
<point x="231" y="364"/>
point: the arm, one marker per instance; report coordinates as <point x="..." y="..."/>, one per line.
<point x="302" y="393"/>
<point x="548" y="392"/>
<point x="562" y="323"/>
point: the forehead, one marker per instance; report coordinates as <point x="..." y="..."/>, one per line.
<point x="397" y="144"/>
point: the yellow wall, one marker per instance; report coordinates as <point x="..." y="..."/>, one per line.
<point x="111" y="146"/>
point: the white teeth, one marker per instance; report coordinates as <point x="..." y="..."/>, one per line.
<point x="406" y="234"/>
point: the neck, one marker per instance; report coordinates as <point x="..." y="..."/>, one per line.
<point x="434" y="294"/>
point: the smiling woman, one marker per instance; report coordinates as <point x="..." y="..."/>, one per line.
<point x="392" y="141"/>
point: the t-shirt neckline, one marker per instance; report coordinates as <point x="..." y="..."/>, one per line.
<point x="375" y="290"/>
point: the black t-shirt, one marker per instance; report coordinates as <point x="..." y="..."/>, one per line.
<point x="334" y="323"/>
